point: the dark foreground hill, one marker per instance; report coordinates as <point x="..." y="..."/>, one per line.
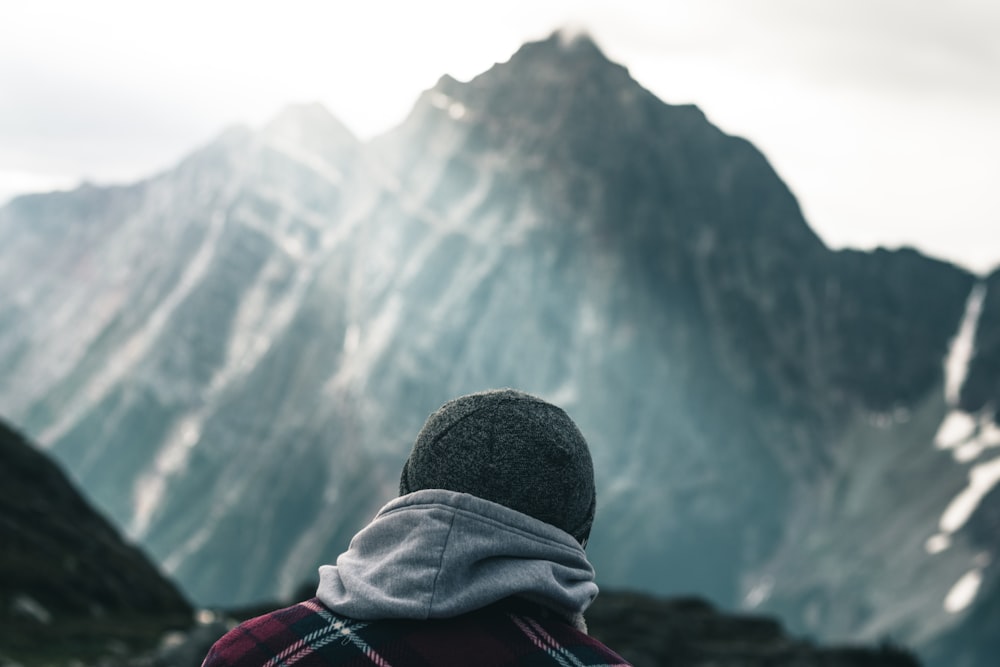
<point x="70" y="587"/>
<point x="651" y="632"/>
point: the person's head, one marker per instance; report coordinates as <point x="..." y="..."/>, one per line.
<point x="513" y="449"/>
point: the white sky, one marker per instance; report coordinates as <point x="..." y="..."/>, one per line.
<point x="882" y="115"/>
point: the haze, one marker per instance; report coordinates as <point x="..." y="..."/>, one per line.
<point x="880" y="115"/>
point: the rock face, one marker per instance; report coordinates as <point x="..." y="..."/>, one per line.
<point x="69" y="584"/>
<point x="233" y="357"/>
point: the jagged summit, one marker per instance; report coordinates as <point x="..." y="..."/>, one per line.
<point x="564" y="59"/>
<point x="568" y="40"/>
<point x="559" y="90"/>
<point x="558" y="74"/>
<point x="574" y="36"/>
<point x="567" y="49"/>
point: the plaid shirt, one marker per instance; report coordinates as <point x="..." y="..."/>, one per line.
<point x="310" y="635"/>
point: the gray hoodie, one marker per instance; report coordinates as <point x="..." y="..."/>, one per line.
<point x="437" y="554"/>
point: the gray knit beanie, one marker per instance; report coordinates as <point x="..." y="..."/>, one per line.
<point x="510" y="448"/>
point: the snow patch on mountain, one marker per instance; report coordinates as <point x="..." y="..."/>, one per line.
<point x="963" y="345"/>
<point x="937" y="543"/>
<point x="455" y="109"/>
<point x="982" y="479"/>
<point x="956" y="428"/>
<point x="987" y="436"/>
<point x="964" y="592"/>
<point x="966" y="435"/>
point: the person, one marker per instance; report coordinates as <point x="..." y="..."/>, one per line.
<point x="479" y="561"/>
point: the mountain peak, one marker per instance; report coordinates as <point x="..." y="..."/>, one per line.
<point x="310" y="118"/>
<point x="563" y="80"/>
<point x="310" y="128"/>
<point x="573" y="38"/>
<point x="565" y="46"/>
<point x="566" y="69"/>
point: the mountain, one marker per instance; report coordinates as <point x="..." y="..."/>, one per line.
<point x="69" y="584"/>
<point x="233" y="357"/>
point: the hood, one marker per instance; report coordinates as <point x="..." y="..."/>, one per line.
<point x="437" y="554"/>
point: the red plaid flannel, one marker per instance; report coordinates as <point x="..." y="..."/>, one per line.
<point x="310" y="635"/>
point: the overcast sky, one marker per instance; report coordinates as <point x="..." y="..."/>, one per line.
<point x="882" y="115"/>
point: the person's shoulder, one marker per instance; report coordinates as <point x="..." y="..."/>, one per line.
<point x="311" y="635"/>
<point x="562" y="640"/>
<point x="520" y="633"/>
<point x="299" y="630"/>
